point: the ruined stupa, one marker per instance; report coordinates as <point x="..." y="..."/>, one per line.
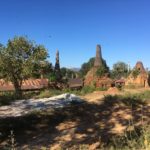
<point x="57" y="67"/>
<point x="91" y="78"/>
<point x="98" y="59"/>
<point x="138" y="77"/>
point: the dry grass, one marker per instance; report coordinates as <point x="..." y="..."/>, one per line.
<point x="104" y="125"/>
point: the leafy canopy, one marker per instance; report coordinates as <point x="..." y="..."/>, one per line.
<point x="18" y="58"/>
<point x="120" y="69"/>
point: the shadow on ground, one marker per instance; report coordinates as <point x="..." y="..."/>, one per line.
<point x="86" y="123"/>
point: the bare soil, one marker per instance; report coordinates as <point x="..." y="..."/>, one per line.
<point x="94" y="122"/>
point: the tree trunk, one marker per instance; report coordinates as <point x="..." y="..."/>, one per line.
<point x="18" y="91"/>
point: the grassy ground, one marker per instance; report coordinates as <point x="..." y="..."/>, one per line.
<point x="116" y="123"/>
<point x="7" y="97"/>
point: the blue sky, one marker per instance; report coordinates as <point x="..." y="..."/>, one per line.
<point x="74" y="27"/>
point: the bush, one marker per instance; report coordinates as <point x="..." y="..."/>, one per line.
<point x="135" y="73"/>
<point x="88" y="89"/>
<point x="49" y="93"/>
<point x="52" y="77"/>
<point x="102" y="89"/>
<point x="101" y="71"/>
<point x="6" y="98"/>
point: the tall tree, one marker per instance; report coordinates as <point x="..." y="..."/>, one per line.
<point x="17" y="60"/>
<point x="120" y="69"/>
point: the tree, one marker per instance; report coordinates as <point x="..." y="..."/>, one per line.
<point x="42" y="69"/>
<point x="120" y="69"/>
<point x="67" y="73"/>
<point x="88" y="65"/>
<point x="18" y="59"/>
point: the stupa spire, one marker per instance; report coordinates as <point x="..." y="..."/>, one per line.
<point x="98" y="59"/>
<point x="57" y="65"/>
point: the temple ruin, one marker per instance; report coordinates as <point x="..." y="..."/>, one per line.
<point x="98" y="59"/>
<point x="57" y="68"/>
<point x="91" y="78"/>
<point x="57" y="65"/>
<point x="138" y="77"/>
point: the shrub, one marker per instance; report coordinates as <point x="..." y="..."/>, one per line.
<point x="52" y="77"/>
<point x="6" y="98"/>
<point x="88" y="89"/>
<point x="101" y="71"/>
<point x="102" y="89"/>
<point x="49" y="93"/>
<point x="135" y="73"/>
<point x="132" y="139"/>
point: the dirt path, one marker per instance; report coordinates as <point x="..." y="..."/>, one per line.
<point x="96" y="96"/>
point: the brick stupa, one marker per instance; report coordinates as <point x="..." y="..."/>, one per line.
<point x="98" y="59"/>
<point x="142" y="79"/>
<point x="91" y="77"/>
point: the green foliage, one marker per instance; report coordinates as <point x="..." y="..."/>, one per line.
<point x="101" y="71"/>
<point x="67" y="73"/>
<point x="102" y="89"/>
<point x="6" y="98"/>
<point x="143" y="96"/>
<point x="64" y="74"/>
<point x="88" y="65"/>
<point x="120" y="69"/>
<point x="49" y="93"/>
<point x="105" y="65"/>
<point x="135" y="73"/>
<point x="41" y="69"/>
<point x="18" y="60"/>
<point x="87" y="89"/>
<point x="52" y="77"/>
